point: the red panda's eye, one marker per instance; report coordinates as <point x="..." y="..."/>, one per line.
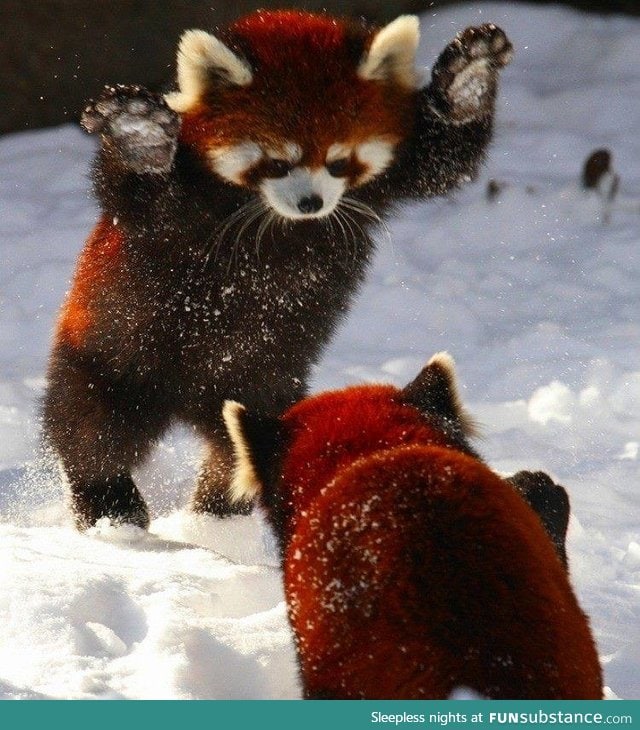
<point x="278" y="168"/>
<point x="338" y="168"/>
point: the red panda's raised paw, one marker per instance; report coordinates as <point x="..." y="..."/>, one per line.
<point x="464" y="76"/>
<point x="136" y="126"/>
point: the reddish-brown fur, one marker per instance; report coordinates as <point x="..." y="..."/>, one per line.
<point x="91" y="275"/>
<point x="410" y="568"/>
<point x="313" y="67"/>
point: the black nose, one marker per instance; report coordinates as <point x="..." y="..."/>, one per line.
<point x="310" y="204"/>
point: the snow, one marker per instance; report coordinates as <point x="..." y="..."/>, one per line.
<point x="535" y="294"/>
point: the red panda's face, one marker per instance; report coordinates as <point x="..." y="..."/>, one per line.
<point x="302" y="110"/>
<point x="295" y="187"/>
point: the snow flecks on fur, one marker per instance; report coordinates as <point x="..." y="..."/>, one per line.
<point x="471" y="85"/>
<point x="400" y="533"/>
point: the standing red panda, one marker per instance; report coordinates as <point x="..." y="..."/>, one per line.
<point x="410" y="568"/>
<point x="237" y="222"/>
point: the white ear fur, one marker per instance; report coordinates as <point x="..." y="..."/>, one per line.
<point x="245" y="484"/>
<point x="392" y="54"/>
<point x="447" y="365"/>
<point x="200" y="57"/>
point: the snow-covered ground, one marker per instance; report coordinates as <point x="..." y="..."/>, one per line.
<point x="536" y="294"/>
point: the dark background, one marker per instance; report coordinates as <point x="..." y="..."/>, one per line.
<point x="55" y="54"/>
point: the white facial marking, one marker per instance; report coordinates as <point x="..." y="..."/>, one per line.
<point x="376" y="154"/>
<point x="338" y="151"/>
<point x="287" y="195"/>
<point x="233" y="161"/>
<point x="289" y="151"/>
<point x="304" y="192"/>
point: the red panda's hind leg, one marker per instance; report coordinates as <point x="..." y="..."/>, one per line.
<point x="117" y="498"/>
<point x="100" y="428"/>
<point x="211" y="495"/>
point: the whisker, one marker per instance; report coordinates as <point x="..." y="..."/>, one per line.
<point x="252" y="216"/>
<point x="217" y="238"/>
<point x="336" y="216"/>
<point x="344" y="215"/>
<point x="363" y="208"/>
<point x="328" y="221"/>
<point x="263" y="228"/>
<point x="348" y="215"/>
<point x="232" y="219"/>
<point x="357" y="206"/>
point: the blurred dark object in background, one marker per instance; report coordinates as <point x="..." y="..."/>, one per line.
<point x="55" y="54"/>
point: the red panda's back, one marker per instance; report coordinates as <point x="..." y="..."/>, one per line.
<point x="418" y="570"/>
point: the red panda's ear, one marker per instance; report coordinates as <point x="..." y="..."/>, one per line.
<point x="255" y="442"/>
<point x="392" y="53"/>
<point x="435" y="393"/>
<point x="204" y="61"/>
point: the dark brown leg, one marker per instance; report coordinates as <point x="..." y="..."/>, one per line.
<point x="115" y="497"/>
<point x="211" y="493"/>
<point x="100" y="429"/>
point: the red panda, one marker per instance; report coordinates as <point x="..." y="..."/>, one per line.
<point x="410" y="568"/>
<point x="237" y="222"/>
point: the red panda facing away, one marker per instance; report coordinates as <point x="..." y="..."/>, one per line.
<point x="410" y="568"/>
<point x="237" y="224"/>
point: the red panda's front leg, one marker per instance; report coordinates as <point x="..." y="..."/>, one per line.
<point x="454" y="114"/>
